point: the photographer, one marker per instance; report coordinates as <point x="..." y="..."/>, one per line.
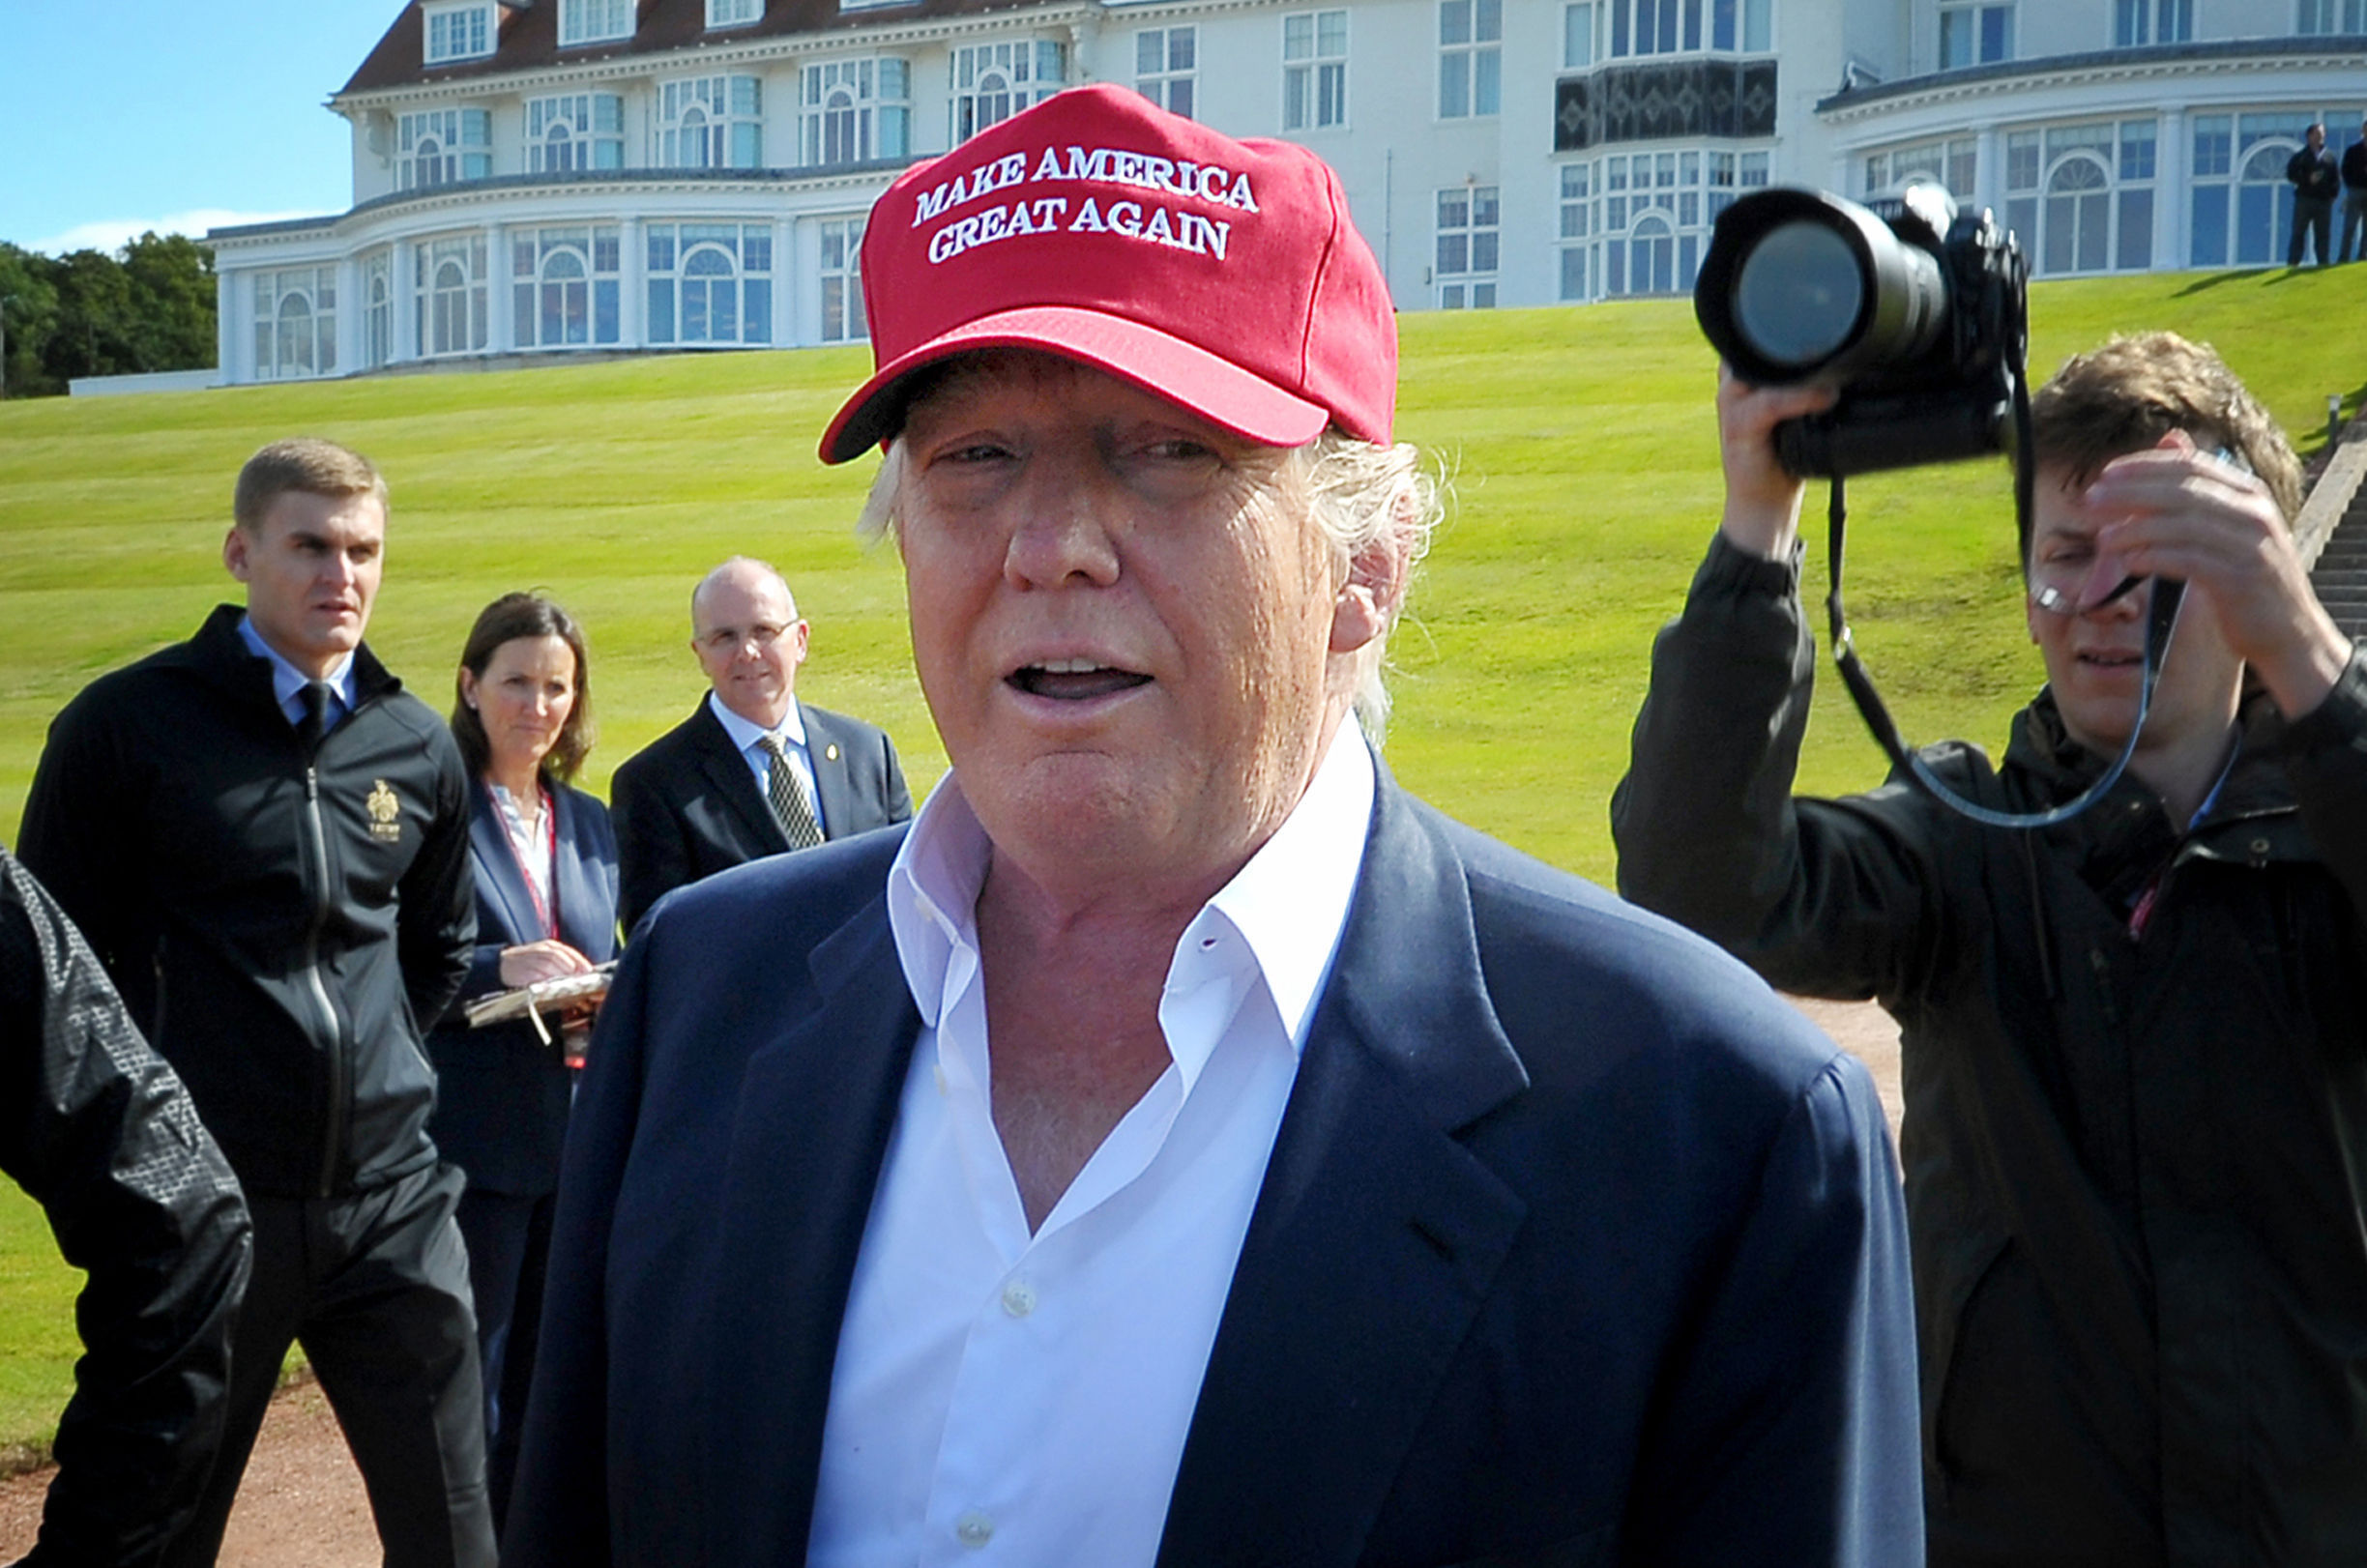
<point x="2135" y="1071"/>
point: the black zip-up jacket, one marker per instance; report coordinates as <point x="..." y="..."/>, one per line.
<point x="2136" y="1165"/>
<point x="2315" y="176"/>
<point x="103" y="1136"/>
<point x="2354" y="167"/>
<point x="277" y="923"/>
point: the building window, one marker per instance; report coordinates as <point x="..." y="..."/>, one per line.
<point x="294" y="322"/>
<point x="711" y="123"/>
<point x="459" y="33"/>
<point x="579" y="130"/>
<point x="1975" y="35"/>
<point x="449" y="284"/>
<point x="1470" y="58"/>
<point x="1577" y="227"/>
<point x="1466" y="235"/>
<point x="1653" y="212"/>
<point x="1578" y="36"/>
<point x="855" y="110"/>
<point x="1953" y="164"/>
<point x="2080" y="197"/>
<point x="1639" y="27"/>
<point x="993" y="81"/>
<point x="842" y="272"/>
<point x="1166" y="61"/>
<point x="442" y="146"/>
<point x="594" y="22"/>
<point x="1314" y="70"/>
<point x="2319" y="17"/>
<point x="710" y="284"/>
<point x="377" y="310"/>
<point x="2152" y="21"/>
<point x="564" y="287"/>
<point x="734" y="12"/>
<point x="2241" y="208"/>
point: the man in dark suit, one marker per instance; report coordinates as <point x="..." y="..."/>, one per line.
<point x="1341" y="1186"/>
<point x="706" y="795"/>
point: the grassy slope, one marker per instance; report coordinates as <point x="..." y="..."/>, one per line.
<point x="1580" y="445"/>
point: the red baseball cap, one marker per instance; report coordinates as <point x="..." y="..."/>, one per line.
<point x="1223" y="275"/>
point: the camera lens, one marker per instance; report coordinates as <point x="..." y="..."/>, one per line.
<point x="1798" y="293"/>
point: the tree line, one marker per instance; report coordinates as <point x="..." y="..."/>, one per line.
<point x="149" y="307"/>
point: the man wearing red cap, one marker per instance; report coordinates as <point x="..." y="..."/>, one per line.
<point x="1180" y="1145"/>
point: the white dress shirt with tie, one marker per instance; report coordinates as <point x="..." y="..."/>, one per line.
<point x="288" y="681"/>
<point x="750" y="739"/>
<point x="1002" y="1397"/>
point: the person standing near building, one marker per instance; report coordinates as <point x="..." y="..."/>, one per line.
<point x="265" y="839"/>
<point x="2354" y="199"/>
<point x="2316" y="181"/>
<point x="752" y="771"/>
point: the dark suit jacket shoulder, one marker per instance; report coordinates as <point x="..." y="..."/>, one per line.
<point x="502" y="1094"/>
<point x="688" y="806"/>
<point x="1576" y="1245"/>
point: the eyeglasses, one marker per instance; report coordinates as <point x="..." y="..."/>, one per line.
<point x="731" y="639"/>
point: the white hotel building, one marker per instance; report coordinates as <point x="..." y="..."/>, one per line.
<point x="571" y="177"/>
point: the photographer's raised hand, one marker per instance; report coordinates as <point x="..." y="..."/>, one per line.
<point x="1763" y="498"/>
<point x="2178" y="511"/>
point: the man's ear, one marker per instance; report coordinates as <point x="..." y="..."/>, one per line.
<point x="234" y="552"/>
<point x="1370" y="599"/>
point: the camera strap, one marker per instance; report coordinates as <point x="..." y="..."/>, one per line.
<point x="2161" y="619"/>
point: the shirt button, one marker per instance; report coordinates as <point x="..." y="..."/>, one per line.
<point x="973" y="1529"/>
<point x="1019" y="1299"/>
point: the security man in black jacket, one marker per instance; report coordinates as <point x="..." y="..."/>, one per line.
<point x="265" y="839"/>
<point x="2317" y="181"/>
<point x="101" y="1134"/>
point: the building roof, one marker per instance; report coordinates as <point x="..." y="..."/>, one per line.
<point x="528" y="35"/>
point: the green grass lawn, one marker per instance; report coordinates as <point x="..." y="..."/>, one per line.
<point x="1580" y="446"/>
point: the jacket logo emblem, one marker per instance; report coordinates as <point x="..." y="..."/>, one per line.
<point x="384" y="813"/>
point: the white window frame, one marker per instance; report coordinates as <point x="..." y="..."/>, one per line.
<point x="1167" y="67"/>
<point x="1466" y="246"/>
<point x="722" y="14"/>
<point x="859" y="109"/>
<point x="1025" y="71"/>
<point x="1581" y="46"/>
<point x="377" y="308"/>
<point x="1972" y="16"/>
<point x="1574" y="250"/>
<point x="299" y="344"/>
<point x="840" y="275"/>
<point x="1315" y="70"/>
<point x="569" y="273"/>
<point x="2140" y="22"/>
<point x="2317" y="18"/>
<point x="450" y="317"/>
<point x="1470" y="59"/>
<point x="682" y="260"/>
<point x="710" y="122"/>
<point x="461" y="140"/>
<point x="463" y="31"/>
<point x="595" y="21"/>
<point x="1638" y="29"/>
<point x="570" y="132"/>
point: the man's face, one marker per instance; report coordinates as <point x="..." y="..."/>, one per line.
<point x="749" y="642"/>
<point x="2316" y="137"/>
<point x="1123" y="622"/>
<point x="2096" y="659"/>
<point x="311" y="567"/>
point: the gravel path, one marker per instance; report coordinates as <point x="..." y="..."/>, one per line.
<point x="301" y="1506"/>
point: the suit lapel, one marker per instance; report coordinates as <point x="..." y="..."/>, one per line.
<point x="1375" y="1235"/>
<point x="816" y="1107"/>
<point x="827" y="754"/>
<point x="736" y="782"/>
<point x="498" y="873"/>
<point x="587" y="915"/>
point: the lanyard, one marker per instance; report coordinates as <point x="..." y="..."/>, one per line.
<point x="520" y="846"/>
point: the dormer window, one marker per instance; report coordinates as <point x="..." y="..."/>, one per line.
<point x="594" y="22"/>
<point x="466" y="30"/>
<point x="734" y="12"/>
<point x="444" y="147"/>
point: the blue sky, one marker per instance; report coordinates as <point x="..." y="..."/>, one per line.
<point x="174" y="115"/>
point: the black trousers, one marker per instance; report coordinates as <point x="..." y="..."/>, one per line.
<point x="509" y="1243"/>
<point x="374" y="1286"/>
<point x="2313" y="217"/>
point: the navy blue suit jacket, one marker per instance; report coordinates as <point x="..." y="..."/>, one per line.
<point x="688" y="806"/>
<point x="502" y="1094"/>
<point x="1577" y="1245"/>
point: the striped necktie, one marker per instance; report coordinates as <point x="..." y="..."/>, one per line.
<point x="787" y="793"/>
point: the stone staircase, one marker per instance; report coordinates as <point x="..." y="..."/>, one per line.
<point x="2333" y="535"/>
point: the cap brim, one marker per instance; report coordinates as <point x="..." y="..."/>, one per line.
<point x="1214" y="388"/>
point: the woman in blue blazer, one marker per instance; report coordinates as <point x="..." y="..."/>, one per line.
<point x="546" y="866"/>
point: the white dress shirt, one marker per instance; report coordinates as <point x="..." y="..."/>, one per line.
<point x="1008" y="1398"/>
<point x="791" y="735"/>
<point x="287" y="680"/>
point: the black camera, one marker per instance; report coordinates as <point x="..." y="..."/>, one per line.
<point x="1919" y="316"/>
